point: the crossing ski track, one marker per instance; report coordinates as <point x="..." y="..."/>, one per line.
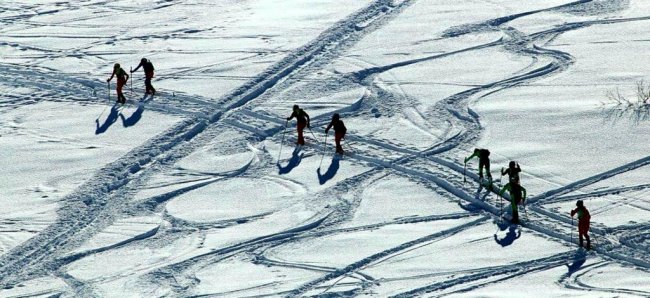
<point x="108" y="195"/>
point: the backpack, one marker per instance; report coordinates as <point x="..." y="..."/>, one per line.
<point x="148" y="66"/>
<point x="484" y="153"/>
<point x="120" y="74"/>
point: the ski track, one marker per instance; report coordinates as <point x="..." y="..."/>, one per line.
<point x="108" y="195"/>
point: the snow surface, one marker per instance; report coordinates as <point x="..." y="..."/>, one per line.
<point x="198" y="191"/>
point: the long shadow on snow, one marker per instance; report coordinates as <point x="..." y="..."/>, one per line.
<point x="331" y="171"/>
<point x="579" y="259"/>
<point x="35" y="258"/>
<point x="110" y="119"/>
<point x="512" y="235"/>
<point x="293" y="162"/>
<point x="136" y="116"/>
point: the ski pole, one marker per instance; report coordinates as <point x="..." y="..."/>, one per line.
<point x="312" y="133"/>
<point x="525" y="210"/>
<point x="592" y="239"/>
<point x="282" y="142"/>
<point x="324" y="147"/>
<point x="131" y="79"/>
<point x="109" y="91"/>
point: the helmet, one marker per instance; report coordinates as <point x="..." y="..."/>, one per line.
<point x="295" y="107"/>
<point x="336" y="116"/>
<point x="116" y="66"/>
<point x="580" y="203"/>
<point x="143" y="60"/>
<point x="511" y="164"/>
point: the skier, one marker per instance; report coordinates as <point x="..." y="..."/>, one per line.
<point x="147" y="66"/>
<point x="517" y="196"/>
<point x="583" y="222"/>
<point x="339" y="131"/>
<point x="512" y="172"/>
<point x="122" y="78"/>
<point x="303" y="121"/>
<point x="483" y="161"/>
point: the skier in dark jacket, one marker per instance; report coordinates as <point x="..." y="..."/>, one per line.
<point x="512" y="171"/>
<point x="122" y="78"/>
<point x="339" y="131"/>
<point x="583" y="222"/>
<point x="483" y="161"/>
<point x="517" y="196"/>
<point x="303" y="121"/>
<point x="147" y="66"/>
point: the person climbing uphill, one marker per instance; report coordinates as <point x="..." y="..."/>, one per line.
<point x="339" y="131"/>
<point x="483" y="161"/>
<point x="147" y="66"/>
<point x="303" y="121"/>
<point x="122" y="78"/>
<point x="517" y="196"/>
<point x="583" y="223"/>
<point x="512" y="171"/>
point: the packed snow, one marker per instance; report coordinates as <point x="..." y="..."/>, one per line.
<point x="201" y="191"/>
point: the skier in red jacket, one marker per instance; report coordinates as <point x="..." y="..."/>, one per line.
<point x="147" y="66"/>
<point x="339" y="131"/>
<point x="583" y="222"/>
<point x="303" y="121"/>
<point x="122" y="78"/>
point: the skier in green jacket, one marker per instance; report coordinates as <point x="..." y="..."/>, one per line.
<point x="512" y="171"/>
<point x="517" y="196"/>
<point x="483" y="162"/>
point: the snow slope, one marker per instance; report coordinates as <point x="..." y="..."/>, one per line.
<point x="199" y="191"/>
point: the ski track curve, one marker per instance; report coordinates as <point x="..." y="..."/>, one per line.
<point x="105" y="196"/>
<point x="562" y="61"/>
<point x="31" y="258"/>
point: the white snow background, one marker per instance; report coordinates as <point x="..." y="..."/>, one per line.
<point x="198" y="191"/>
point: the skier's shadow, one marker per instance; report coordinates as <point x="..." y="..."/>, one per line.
<point x="137" y="115"/>
<point x="110" y="119"/>
<point x="134" y="118"/>
<point x="579" y="259"/>
<point x="293" y="162"/>
<point x="481" y="187"/>
<point x="331" y="171"/>
<point x="478" y="196"/>
<point x="512" y="234"/>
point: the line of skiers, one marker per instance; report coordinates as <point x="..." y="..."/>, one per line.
<point x="518" y="193"/>
<point x="304" y="121"/>
<point x="514" y="188"/>
<point x="123" y="77"/>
